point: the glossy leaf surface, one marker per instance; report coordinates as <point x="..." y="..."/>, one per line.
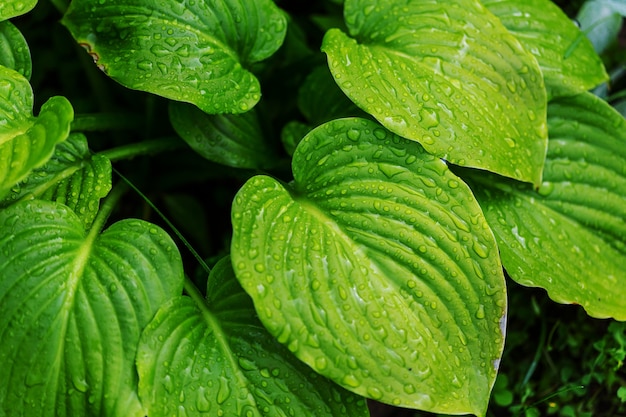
<point x="27" y="142"/>
<point x="72" y="177"/>
<point x="192" y="51"/>
<point x="566" y="57"/>
<point x="447" y="75"/>
<point x="570" y="236"/>
<point x="236" y="140"/>
<point x="376" y="268"/>
<point x="14" y="52"/>
<point x="215" y="358"/>
<point x="72" y="306"/>
<point x="13" y="8"/>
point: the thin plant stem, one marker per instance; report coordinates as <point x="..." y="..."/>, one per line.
<point x="105" y="121"/>
<point x="108" y="204"/>
<point x="146" y="147"/>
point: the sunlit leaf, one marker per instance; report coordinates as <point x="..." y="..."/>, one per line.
<point x="214" y="357"/>
<point x="72" y="177"/>
<point x="448" y="75"/>
<point x="13" y="8"/>
<point x="375" y="267"/>
<point x="192" y="51"/>
<point x="27" y="142"/>
<point x="569" y="237"/>
<point x="566" y="57"/>
<point x="236" y="140"/>
<point x="14" y="52"/>
<point x="72" y="306"/>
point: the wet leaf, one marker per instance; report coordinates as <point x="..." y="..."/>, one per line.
<point x="13" y="8"/>
<point x="236" y="140"/>
<point x="72" y="306"/>
<point x="569" y="237"/>
<point x="566" y="57"/>
<point x="197" y="52"/>
<point x="448" y="75"/>
<point x="376" y="267"/>
<point x="14" y="52"/>
<point x="27" y="142"/>
<point x="72" y="177"/>
<point x="215" y="358"/>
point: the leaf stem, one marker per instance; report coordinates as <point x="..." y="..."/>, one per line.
<point x="108" y="204"/>
<point x="142" y="148"/>
<point x="60" y="5"/>
<point x="105" y="121"/>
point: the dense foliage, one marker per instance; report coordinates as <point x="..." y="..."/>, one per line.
<point x="254" y="208"/>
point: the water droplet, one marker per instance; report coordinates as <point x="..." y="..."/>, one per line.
<point x="202" y="402"/>
<point x="374" y="393"/>
<point x="480" y="313"/>
<point x="480" y="249"/>
<point x="546" y="189"/>
<point x="145" y="65"/>
<point x="351" y="381"/>
<point x="223" y="391"/>
<point x="354" y="134"/>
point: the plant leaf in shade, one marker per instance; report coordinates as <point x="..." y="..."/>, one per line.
<point x="14" y="52"/>
<point x="236" y="140"/>
<point x="376" y="267"/>
<point x="192" y="51"/>
<point x="569" y="237"/>
<point x="72" y="177"/>
<point x="213" y="357"/>
<point x="26" y="141"/>
<point x="448" y="75"/>
<point x="566" y="57"/>
<point x="72" y="306"/>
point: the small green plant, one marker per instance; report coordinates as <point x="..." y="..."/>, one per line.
<point x="350" y="181"/>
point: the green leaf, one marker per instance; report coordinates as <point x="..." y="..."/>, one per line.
<point x="448" y="76"/>
<point x="13" y="8"/>
<point x="72" y="177"/>
<point x="192" y="51"/>
<point x="236" y="140"/>
<point x="566" y="57"/>
<point x="376" y="267"/>
<point x="14" y="51"/>
<point x="213" y="357"/>
<point x="569" y="237"/>
<point x="601" y="20"/>
<point x="72" y="306"/>
<point x="27" y="142"/>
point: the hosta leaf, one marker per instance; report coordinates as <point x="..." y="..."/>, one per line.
<point x="214" y="358"/>
<point x="601" y="21"/>
<point x="72" y="177"/>
<point x="235" y="140"/>
<point x="376" y="268"/>
<point x="448" y="75"/>
<point x="570" y="236"/>
<point x="192" y="51"/>
<point x="72" y="306"/>
<point x="27" y="142"/>
<point x="566" y="57"/>
<point x="14" y="52"/>
<point x="13" y="8"/>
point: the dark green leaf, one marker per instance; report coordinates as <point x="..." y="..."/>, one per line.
<point x="14" y="52"/>
<point x="376" y="268"/>
<point x="448" y="75"/>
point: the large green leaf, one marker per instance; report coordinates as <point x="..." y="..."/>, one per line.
<point x="448" y="75"/>
<point x="213" y="357"/>
<point x="376" y="267"/>
<point x="236" y="140"/>
<point x="569" y="237"/>
<point x="566" y="57"/>
<point x="27" y="142"/>
<point x="73" y="176"/>
<point x="13" y="8"/>
<point x="192" y="51"/>
<point x="14" y="52"/>
<point x="72" y="307"/>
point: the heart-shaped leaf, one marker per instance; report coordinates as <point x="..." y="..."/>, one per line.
<point x="13" y="8"/>
<point x="192" y="51"/>
<point x="27" y="142"/>
<point x="448" y="75"/>
<point x="72" y="177"/>
<point x="72" y="307"/>
<point x="14" y="52"/>
<point x="376" y="267"/>
<point x="569" y="237"/>
<point x="236" y="140"/>
<point x="213" y="357"/>
<point x="566" y="57"/>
